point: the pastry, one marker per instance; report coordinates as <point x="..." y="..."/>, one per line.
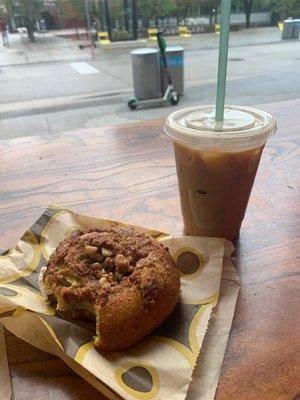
<point x="123" y="279"/>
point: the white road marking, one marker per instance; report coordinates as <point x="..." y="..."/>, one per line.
<point x="84" y="68"/>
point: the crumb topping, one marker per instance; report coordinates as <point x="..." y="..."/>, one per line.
<point x="95" y="262"/>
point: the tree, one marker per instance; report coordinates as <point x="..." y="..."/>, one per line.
<point x="211" y="7"/>
<point x="247" y="9"/>
<point x="152" y="9"/>
<point x="73" y="12"/>
<point x="147" y="8"/>
<point x="2" y="8"/>
<point x="72" y="8"/>
<point x="285" y="8"/>
<point x="116" y="9"/>
<point x="29" y="12"/>
<point x="282" y="8"/>
<point x="248" y="5"/>
<point x="184" y="8"/>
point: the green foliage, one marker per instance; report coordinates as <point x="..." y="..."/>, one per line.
<point x="75" y="8"/>
<point x="116" y="9"/>
<point x="70" y="9"/>
<point x="29" y="12"/>
<point x="156" y="8"/>
<point x="29" y="9"/>
<point x="165" y="8"/>
<point x="119" y="35"/>
<point x="285" y="8"/>
<point x="2" y="8"/>
<point x="185" y="8"/>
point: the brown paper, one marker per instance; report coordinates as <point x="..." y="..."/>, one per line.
<point x="5" y="380"/>
<point x="158" y="367"/>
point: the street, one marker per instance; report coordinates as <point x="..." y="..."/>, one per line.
<point x="43" y="93"/>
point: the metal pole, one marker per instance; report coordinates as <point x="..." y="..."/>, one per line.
<point x="108" y="19"/>
<point x="135" y="19"/>
<point x="88" y="20"/>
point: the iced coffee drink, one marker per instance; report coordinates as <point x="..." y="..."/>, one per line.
<point x="216" y="165"/>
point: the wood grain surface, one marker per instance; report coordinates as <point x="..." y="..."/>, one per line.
<point x="127" y="172"/>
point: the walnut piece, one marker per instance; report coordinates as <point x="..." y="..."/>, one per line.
<point x="122" y="264"/>
<point x="90" y="250"/>
<point x="106" y="252"/>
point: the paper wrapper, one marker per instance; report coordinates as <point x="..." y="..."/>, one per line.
<point x="161" y="365"/>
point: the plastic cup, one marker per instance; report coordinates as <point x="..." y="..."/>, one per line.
<point x="216" y="165"/>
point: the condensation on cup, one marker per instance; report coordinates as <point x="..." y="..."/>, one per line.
<point x="216" y="165"/>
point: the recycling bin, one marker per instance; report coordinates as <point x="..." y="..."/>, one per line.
<point x="296" y="29"/>
<point x="175" y="61"/>
<point x="288" y="28"/>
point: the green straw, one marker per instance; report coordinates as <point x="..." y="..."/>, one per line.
<point x="223" y="54"/>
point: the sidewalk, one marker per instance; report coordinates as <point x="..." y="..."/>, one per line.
<point x="49" y="47"/>
<point x="41" y="93"/>
<point x="110" y="110"/>
<point x="46" y="49"/>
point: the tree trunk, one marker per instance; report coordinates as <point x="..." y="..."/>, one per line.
<point x="177" y="13"/>
<point x="247" y="13"/>
<point x="247" y="9"/>
<point x="217" y="5"/>
<point x="30" y="32"/>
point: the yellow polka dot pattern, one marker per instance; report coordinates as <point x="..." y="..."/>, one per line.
<point x="159" y="366"/>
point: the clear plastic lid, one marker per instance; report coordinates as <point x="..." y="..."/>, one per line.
<point x="243" y="127"/>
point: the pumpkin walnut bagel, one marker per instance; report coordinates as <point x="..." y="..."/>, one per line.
<point x="123" y="279"/>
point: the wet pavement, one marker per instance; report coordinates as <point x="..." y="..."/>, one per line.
<point x="42" y="93"/>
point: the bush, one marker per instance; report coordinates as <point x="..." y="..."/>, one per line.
<point x="119" y="35"/>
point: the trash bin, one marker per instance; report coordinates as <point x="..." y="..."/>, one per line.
<point x="296" y="29"/>
<point x="146" y="73"/>
<point x="288" y="28"/>
<point x="175" y="61"/>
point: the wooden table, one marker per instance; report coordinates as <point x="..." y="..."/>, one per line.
<point x="127" y="172"/>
